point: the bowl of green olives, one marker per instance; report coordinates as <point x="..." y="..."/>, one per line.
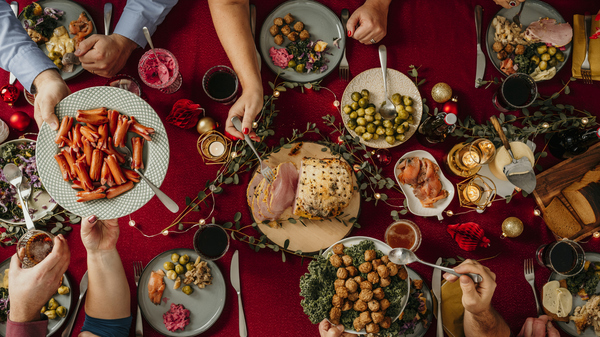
<point x="360" y="113"/>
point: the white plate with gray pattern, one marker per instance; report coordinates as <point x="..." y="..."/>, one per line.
<point x="372" y="80"/>
<point x="156" y="153"/>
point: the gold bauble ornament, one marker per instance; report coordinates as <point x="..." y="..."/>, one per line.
<point x="512" y="227"/>
<point x="206" y="124"/>
<point x="441" y="92"/>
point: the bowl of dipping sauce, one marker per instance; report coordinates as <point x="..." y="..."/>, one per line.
<point x="403" y="234"/>
<point x="211" y="242"/>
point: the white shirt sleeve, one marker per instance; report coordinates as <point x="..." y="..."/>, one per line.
<point x="142" y="13"/>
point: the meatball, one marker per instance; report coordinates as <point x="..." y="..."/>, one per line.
<point x="509" y="48"/>
<point x="351" y="285"/>
<point x="278" y="39"/>
<point x="383" y="271"/>
<point x="274" y="30"/>
<point x="359" y="279"/>
<point x="366" y="295"/>
<point x="293" y="36"/>
<point x="365" y="317"/>
<point x="502" y="55"/>
<point x="347" y="259"/>
<point x="370" y="255"/>
<point x="342" y="292"/>
<point x="520" y="50"/>
<point x="372" y="328"/>
<point x="373" y="306"/>
<point x="304" y="35"/>
<point x="353" y="296"/>
<point x="378" y="316"/>
<point x="376" y="263"/>
<point x="384" y="304"/>
<point x="358" y="325"/>
<point x="402" y="273"/>
<point x="393" y="268"/>
<point x="373" y="277"/>
<point x="365" y="267"/>
<point x="334" y="315"/>
<point x="497" y="46"/>
<point x="299" y="26"/>
<point x="385" y="281"/>
<point x="285" y="30"/>
<point x="352" y="271"/>
<point x="386" y="323"/>
<point x="347" y="305"/>
<point x="366" y="285"/>
<point x="339" y="283"/>
<point x="418" y="284"/>
<point x="338" y="249"/>
<point x="385" y="259"/>
<point x="335" y="261"/>
<point x="279" y="22"/>
<point x="360" y="305"/>
<point x="378" y="293"/>
<point x="342" y="273"/>
<point x="288" y="18"/>
<point x="337" y="301"/>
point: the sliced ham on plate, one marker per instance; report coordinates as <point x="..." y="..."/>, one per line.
<point x="283" y="190"/>
<point x="548" y="31"/>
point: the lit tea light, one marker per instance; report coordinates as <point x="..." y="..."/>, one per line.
<point x="470" y="159"/>
<point x="596" y="235"/>
<point x="472" y="193"/>
<point x="216" y="149"/>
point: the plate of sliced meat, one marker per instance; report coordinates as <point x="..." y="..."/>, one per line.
<point x="428" y="192"/>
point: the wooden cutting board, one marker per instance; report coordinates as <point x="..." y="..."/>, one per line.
<point x="311" y="235"/>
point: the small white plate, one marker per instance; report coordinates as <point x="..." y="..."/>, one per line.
<point x="414" y="205"/>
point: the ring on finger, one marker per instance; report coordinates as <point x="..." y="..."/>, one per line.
<point x="512" y="3"/>
<point x="373" y="41"/>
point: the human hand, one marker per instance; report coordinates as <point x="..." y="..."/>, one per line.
<point x="246" y="108"/>
<point x="31" y="288"/>
<point x="508" y="3"/>
<point x="369" y="21"/>
<point x="105" y="55"/>
<point x="99" y="235"/>
<point x="538" y="327"/>
<point x="326" y="329"/>
<point x="476" y="298"/>
<point x="49" y="90"/>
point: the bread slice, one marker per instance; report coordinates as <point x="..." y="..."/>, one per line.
<point x="584" y="197"/>
<point x="560" y="221"/>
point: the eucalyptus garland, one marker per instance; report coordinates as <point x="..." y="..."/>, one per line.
<point x="56" y="222"/>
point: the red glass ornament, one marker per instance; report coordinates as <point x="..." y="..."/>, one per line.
<point x="9" y="94"/>
<point x="451" y="106"/>
<point x="383" y="157"/>
<point x="185" y="114"/>
<point x="19" y="120"/>
<point x="468" y="235"/>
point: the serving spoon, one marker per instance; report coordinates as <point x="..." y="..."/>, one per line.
<point x="388" y="109"/>
<point x="406" y="256"/>
<point x="163" y="71"/>
<point x="13" y="174"/>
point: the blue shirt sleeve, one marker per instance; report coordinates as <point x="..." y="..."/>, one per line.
<point x="18" y="53"/>
<point x="142" y="13"/>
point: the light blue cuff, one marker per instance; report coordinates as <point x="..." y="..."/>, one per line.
<point x="28" y="63"/>
<point x="130" y="25"/>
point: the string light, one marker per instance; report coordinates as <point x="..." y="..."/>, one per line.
<point x="132" y="223"/>
<point x="537" y="212"/>
<point x="545" y="125"/>
<point x="202" y="222"/>
<point x="276" y="93"/>
<point x="596" y="235"/>
<point x="165" y="232"/>
<point x="254" y="125"/>
<point x="449" y="213"/>
<point x="336" y="103"/>
<point x="377" y="196"/>
<point x="584" y="121"/>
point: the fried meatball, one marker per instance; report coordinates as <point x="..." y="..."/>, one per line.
<point x="373" y="277"/>
<point x="360" y="305"/>
<point x="370" y="255"/>
<point x="365" y="267"/>
<point x="288" y="18"/>
<point x="274" y="30"/>
<point x="278" y="39"/>
<point x="278" y="22"/>
<point x="366" y="285"/>
<point x="299" y="26"/>
<point x="386" y="323"/>
<point x="347" y="305"/>
<point x="402" y="273"/>
<point x="502" y="55"/>
<point x="520" y="50"/>
<point x="342" y="292"/>
<point x="304" y="35"/>
<point x="359" y="279"/>
<point x="285" y="30"/>
<point x="342" y="273"/>
<point x="358" y="325"/>
<point x="335" y="261"/>
<point x="376" y="263"/>
<point x="293" y="36"/>
<point x="366" y="295"/>
<point x="338" y="249"/>
<point x="384" y="304"/>
<point x="353" y="297"/>
<point x="365" y="317"/>
<point x="352" y="271"/>
<point x="377" y="316"/>
<point x="385" y="281"/>
<point x="385" y="259"/>
<point x="392" y="268"/>
<point x="334" y="315"/>
<point x="383" y="271"/>
<point x="509" y="48"/>
<point x="378" y="293"/>
<point x="339" y="283"/>
<point x="418" y="284"/>
<point x="372" y="328"/>
<point x="337" y="301"/>
<point x="347" y="259"/>
<point x="497" y="46"/>
<point x="351" y="285"/>
<point x="373" y="306"/>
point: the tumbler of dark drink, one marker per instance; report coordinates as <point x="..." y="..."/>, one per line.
<point x="34" y="246"/>
<point x="211" y="242"/>
<point x="220" y="83"/>
<point x="563" y="257"/>
<point x="518" y="91"/>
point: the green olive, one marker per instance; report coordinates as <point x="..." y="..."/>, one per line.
<point x="360" y="130"/>
<point x="390" y="139"/>
<point x="535" y="59"/>
<point x="171" y="274"/>
<point x="175" y="257"/>
<point x="560" y="56"/>
<point x="189" y="266"/>
<point x="184" y="259"/>
<point x="407" y="100"/>
<point x="360" y="112"/>
<point x="400" y="137"/>
<point x="542" y="49"/>
<point x="365" y="93"/>
<point x="63" y="290"/>
<point x="351" y="125"/>
<point x="292" y="64"/>
<point x="347" y="109"/>
<point x="353" y="115"/>
<point x="356" y="96"/>
<point x="552" y="51"/>
<point x="371" y="128"/>
<point x="52" y="304"/>
<point x="300" y="68"/>
<point x="168" y="265"/>
<point x="369" y="118"/>
<point x="187" y="290"/>
<point x="409" y="109"/>
<point x="543" y="65"/>
<point x="51" y="314"/>
<point x="370" y="111"/>
<point x="380" y="130"/>
<point x="61" y="311"/>
<point x="387" y="123"/>
<point x="354" y="106"/>
<point x="546" y="57"/>
<point x="396" y="99"/>
<point x="361" y="121"/>
<point x="363" y="102"/>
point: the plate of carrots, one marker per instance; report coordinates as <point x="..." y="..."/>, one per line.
<point x="82" y="165"/>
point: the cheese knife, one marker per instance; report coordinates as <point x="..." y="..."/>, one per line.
<point x="480" y="57"/>
<point x="235" y="282"/>
<point x="15" y="7"/>
<point x="108" y="8"/>
<point x="83" y="285"/>
<point x="436" y="285"/>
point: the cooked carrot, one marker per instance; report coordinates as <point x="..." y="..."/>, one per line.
<point x="118" y="190"/>
<point x="113" y="119"/>
<point x="115" y="169"/>
<point x="64" y="166"/>
<point x="106" y="177"/>
<point x="140" y="129"/>
<point x="137" y="144"/>
<point x="96" y="165"/>
<point x="120" y="134"/>
<point x="83" y="176"/>
<point x="131" y="175"/>
<point x="91" y="119"/>
<point x="88" y="149"/>
<point x="111" y="150"/>
<point x="65" y="126"/>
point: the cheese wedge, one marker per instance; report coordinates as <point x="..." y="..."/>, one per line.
<point x="557" y="300"/>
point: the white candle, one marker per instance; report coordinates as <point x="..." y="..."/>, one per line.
<point x="470" y="159"/>
<point x="472" y="193"/>
<point x="216" y="149"/>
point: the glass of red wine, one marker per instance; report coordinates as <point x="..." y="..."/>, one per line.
<point x="34" y="246"/>
<point x="220" y="83"/>
<point x="564" y="257"/>
<point x="516" y="92"/>
<point x="211" y="242"/>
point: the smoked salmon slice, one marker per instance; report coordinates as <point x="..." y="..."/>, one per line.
<point x="156" y="286"/>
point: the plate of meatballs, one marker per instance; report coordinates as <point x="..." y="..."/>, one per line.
<point x="371" y="292"/>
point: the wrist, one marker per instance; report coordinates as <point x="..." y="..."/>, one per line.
<point x="126" y="44"/>
<point x="22" y="315"/>
<point x="48" y="75"/>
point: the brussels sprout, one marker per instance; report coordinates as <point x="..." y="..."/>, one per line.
<point x="184" y="259"/>
<point x="292" y="64"/>
<point x="375" y="136"/>
<point x="367" y="136"/>
<point x="400" y="137"/>
<point x="552" y="51"/>
<point x="398" y="120"/>
<point x="371" y="105"/>
<point x="347" y="109"/>
<point x="360" y="112"/>
<point x="168" y="265"/>
<point x="396" y="99"/>
<point x="44" y="309"/>
<point x="360" y="130"/>
<point x="361" y="121"/>
<point x="63" y="290"/>
<point x="175" y="257"/>
<point x="387" y="123"/>
<point x="356" y="96"/>
<point x="407" y="100"/>
<point x="371" y="128"/>
<point x="399" y="108"/>
<point x="553" y="62"/>
<point x="363" y="102"/>
<point x="390" y="140"/>
<point x="560" y="56"/>
<point x="409" y="109"/>
<point x="535" y="59"/>
<point x="61" y="311"/>
<point x="353" y="115"/>
<point x="187" y="290"/>
<point x="365" y="93"/>
<point x="370" y="111"/>
<point x="380" y="130"/>
<point x="400" y="129"/>
<point x="351" y="125"/>
<point x="51" y="314"/>
<point x="179" y="269"/>
<point x="189" y="266"/>
<point x="389" y="131"/>
<point x="402" y="115"/>
<point x="410" y="120"/>
<point x="377" y="116"/>
<point x="546" y="57"/>
<point x="171" y="274"/>
<point x="369" y="118"/>
<point x="543" y="65"/>
<point x="300" y="68"/>
<point x="52" y="304"/>
<point x="542" y="49"/>
<point x="354" y="106"/>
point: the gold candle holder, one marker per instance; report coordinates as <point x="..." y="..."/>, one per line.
<point x="466" y="159"/>
<point x="476" y="192"/>
<point x="214" y="147"/>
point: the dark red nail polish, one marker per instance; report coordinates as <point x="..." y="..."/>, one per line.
<point x="349" y="33"/>
<point x="246" y="131"/>
<point x="92" y="218"/>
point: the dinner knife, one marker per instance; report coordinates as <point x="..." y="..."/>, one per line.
<point x="15" y="7"/>
<point x="83" y="285"/>
<point x="252" y="29"/>
<point x="235" y="282"/>
<point x="480" y="57"/>
<point x="436" y="285"/>
<point x="108" y="8"/>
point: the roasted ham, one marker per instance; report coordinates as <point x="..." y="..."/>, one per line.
<point x="548" y="31"/>
<point x="422" y="175"/>
<point x="283" y="189"/>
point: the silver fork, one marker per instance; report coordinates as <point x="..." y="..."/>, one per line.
<point x="586" y="72"/>
<point x="265" y="170"/>
<point x="137" y="272"/>
<point x="517" y="18"/>
<point x="530" y="277"/>
<point x="344" y="67"/>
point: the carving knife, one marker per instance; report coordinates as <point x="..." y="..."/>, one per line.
<point x="436" y="285"/>
<point x="235" y="282"/>
<point x="83" y="285"/>
<point x="480" y="57"/>
<point x="15" y="7"/>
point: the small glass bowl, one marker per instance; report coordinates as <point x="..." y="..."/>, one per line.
<point x="211" y="242"/>
<point x="125" y="82"/>
<point x="411" y="225"/>
<point x="174" y="82"/>
<point x="34" y="246"/>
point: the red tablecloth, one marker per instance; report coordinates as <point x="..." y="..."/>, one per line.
<point x="439" y="36"/>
